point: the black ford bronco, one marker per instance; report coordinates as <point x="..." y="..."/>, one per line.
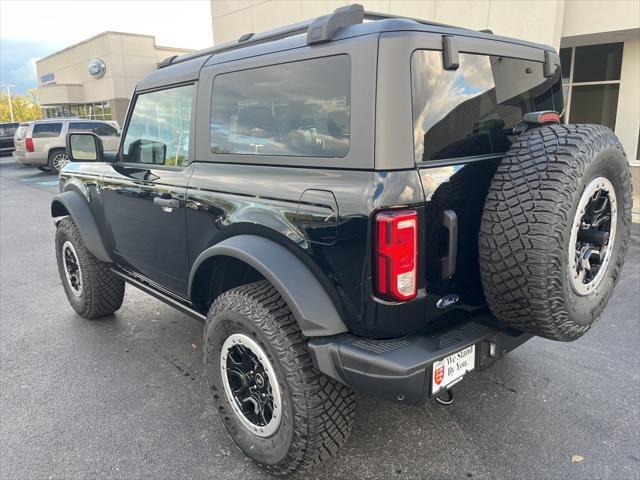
<point x="379" y="206"/>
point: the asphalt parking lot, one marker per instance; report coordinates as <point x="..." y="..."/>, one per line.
<point x="123" y="397"/>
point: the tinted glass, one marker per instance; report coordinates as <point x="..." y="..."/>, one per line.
<point x="595" y="63"/>
<point x="158" y="131"/>
<point x="8" y="129"/>
<point x="104" y="130"/>
<point x="296" y="109"/>
<point x="79" y="126"/>
<point x="470" y="111"/>
<point x="101" y="129"/>
<point x="41" y="130"/>
<point x="595" y="104"/>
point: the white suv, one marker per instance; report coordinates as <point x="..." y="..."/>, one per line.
<point x="41" y="143"/>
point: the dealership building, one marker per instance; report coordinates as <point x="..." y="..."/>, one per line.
<point x="598" y="40"/>
<point x="95" y="78"/>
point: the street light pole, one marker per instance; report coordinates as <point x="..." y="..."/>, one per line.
<point x="8" y="87"/>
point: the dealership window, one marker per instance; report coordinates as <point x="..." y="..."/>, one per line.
<point x="92" y="111"/>
<point x="591" y="82"/>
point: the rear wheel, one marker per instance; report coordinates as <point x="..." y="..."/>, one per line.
<point x="555" y="229"/>
<point x="279" y="410"/>
<point x="57" y="159"/>
<point x="92" y="289"/>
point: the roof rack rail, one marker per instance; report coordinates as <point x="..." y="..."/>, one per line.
<point x="387" y="16"/>
<point x="321" y="29"/>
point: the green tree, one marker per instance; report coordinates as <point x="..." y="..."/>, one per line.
<point x="25" y="107"/>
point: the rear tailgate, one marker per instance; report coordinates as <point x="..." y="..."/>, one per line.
<point x="462" y="126"/>
<point x="19" y="138"/>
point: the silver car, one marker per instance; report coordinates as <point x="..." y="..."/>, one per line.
<point x="41" y="143"/>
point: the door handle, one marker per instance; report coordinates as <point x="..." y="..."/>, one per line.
<point x="167" y="204"/>
<point x="450" y="222"/>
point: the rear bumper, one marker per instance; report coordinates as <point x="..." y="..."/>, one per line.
<point x="29" y="158"/>
<point x="400" y="369"/>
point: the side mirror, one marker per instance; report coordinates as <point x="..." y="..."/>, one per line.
<point x="84" y="147"/>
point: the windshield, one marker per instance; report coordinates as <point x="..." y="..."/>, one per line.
<point x="471" y="111"/>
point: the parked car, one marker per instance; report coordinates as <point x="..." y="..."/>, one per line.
<point x="7" y="130"/>
<point x="381" y="206"/>
<point x="41" y="143"/>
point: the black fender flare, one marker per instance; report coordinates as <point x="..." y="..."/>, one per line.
<point x="72" y="203"/>
<point x="306" y="297"/>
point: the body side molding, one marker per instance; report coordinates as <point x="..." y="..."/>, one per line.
<point x="71" y="203"/>
<point x="308" y="300"/>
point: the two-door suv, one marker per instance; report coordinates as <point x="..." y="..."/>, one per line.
<point x="378" y="206"/>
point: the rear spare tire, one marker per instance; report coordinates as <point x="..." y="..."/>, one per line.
<point x="555" y="229"/>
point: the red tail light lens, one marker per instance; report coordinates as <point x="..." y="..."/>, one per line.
<point x="28" y="142"/>
<point x="396" y="251"/>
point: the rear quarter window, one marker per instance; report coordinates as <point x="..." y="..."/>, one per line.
<point x="470" y="111"/>
<point x="42" y="130"/>
<point x="294" y="109"/>
<point x="22" y="131"/>
<point x="101" y="129"/>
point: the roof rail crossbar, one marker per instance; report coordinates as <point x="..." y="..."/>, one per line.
<point x="322" y="29"/>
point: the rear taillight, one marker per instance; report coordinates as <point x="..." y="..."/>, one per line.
<point x="28" y="142"/>
<point x="396" y="254"/>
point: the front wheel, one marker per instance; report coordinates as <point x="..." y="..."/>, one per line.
<point x="92" y="289"/>
<point x="280" y="411"/>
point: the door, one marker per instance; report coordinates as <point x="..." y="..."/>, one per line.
<point x="144" y="190"/>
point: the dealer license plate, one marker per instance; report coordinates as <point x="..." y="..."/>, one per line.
<point x="451" y="369"/>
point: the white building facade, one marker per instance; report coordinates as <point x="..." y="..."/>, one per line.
<point x="95" y="78"/>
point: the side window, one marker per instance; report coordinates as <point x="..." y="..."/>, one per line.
<point x="44" y="130"/>
<point x="158" y="131"/>
<point x="79" y="127"/>
<point x="293" y="109"/>
<point x="104" y="130"/>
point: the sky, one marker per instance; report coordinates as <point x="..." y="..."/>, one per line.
<point x="32" y="29"/>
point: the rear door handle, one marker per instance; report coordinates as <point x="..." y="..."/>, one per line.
<point x="167" y="204"/>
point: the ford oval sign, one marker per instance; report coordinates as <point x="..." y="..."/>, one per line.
<point x="97" y="67"/>
<point x="447" y="301"/>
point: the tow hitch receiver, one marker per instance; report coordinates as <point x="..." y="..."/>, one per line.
<point x="446" y="401"/>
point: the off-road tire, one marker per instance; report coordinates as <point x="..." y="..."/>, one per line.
<point x="102" y="291"/>
<point x="527" y="222"/>
<point x="317" y="412"/>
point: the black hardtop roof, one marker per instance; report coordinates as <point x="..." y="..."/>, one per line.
<point x="345" y="22"/>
